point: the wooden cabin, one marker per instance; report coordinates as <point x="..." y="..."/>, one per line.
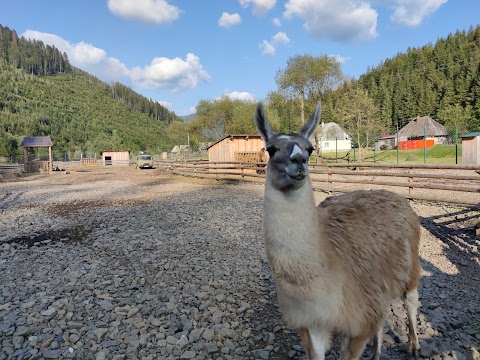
<point x="471" y="148"/>
<point x="236" y="148"/>
<point x="116" y="158"/>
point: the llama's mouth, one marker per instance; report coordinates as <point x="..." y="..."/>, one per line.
<point x="297" y="177"/>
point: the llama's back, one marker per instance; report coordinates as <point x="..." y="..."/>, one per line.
<point x="375" y="235"/>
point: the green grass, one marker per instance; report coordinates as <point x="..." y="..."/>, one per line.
<point x="438" y="154"/>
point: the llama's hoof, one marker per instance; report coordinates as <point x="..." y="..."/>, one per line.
<point x="414" y="353"/>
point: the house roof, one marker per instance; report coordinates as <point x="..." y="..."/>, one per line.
<point x="420" y="126"/>
<point x="236" y="136"/>
<point x="332" y="131"/>
<point x="36" y="141"/>
<point x="472" y="134"/>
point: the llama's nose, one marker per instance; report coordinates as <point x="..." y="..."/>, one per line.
<point x="298" y="158"/>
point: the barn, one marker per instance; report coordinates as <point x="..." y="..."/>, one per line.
<point x="231" y="148"/>
<point x="471" y="148"/>
<point x="116" y="158"/>
<point x="411" y="136"/>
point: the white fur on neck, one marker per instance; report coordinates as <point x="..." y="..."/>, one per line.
<point x="317" y="298"/>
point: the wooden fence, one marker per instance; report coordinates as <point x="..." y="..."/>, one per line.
<point x="442" y="183"/>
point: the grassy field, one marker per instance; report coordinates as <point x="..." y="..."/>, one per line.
<point x="438" y="154"/>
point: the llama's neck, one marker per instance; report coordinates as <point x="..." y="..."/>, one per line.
<point x="291" y="224"/>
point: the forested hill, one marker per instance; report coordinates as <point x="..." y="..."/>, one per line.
<point x="42" y="94"/>
<point x="441" y="80"/>
<point x="140" y="103"/>
<point x="31" y="56"/>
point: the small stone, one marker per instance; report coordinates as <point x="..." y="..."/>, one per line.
<point x="260" y="354"/>
<point x="208" y="334"/>
<point x="51" y="354"/>
<point x="188" y="355"/>
<point x="172" y="340"/>
<point x="182" y="342"/>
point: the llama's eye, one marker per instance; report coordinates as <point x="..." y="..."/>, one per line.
<point x="271" y="150"/>
<point x="310" y="150"/>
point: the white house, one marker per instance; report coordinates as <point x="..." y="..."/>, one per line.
<point x="331" y="137"/>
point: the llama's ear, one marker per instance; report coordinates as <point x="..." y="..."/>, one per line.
<point x="308" y="129"/>
<point x="261" y="122"/>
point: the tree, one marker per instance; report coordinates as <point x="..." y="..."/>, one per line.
<point x="455" y="117"/>
<point x="221" y="117"/>
<point x="178" y="133"/>
<point x="309" y="77"/>
<point x="360" y="118"/>
<point x="8" y="146"/>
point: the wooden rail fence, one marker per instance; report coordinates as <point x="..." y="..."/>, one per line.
<point x="442" y="183"/>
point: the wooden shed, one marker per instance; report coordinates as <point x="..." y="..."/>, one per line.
<point x="243" y="148"/>
<point x="116" y="158"/>
<point x="31" y="166"/>
<point x="471" y="148"/>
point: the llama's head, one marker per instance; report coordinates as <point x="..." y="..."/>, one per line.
<point x="289" y="153"/>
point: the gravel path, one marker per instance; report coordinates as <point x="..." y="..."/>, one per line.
<point x="129" y="264"/>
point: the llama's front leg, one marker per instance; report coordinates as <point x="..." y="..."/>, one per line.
<point x="377" y="343"/>
<point x="352" y="347"/>
<point x="315" y="341"/>
<point x="411" y="301"/>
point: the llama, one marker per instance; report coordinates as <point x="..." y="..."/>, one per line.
<point x="336" y="266"/>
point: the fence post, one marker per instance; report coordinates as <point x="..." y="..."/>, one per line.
<point x="336" y="150"/>
<point x="397" y="141"/>
<point x="425" y="144"/>
<point x="410" y="180"/>
<point x="456" y="144"/>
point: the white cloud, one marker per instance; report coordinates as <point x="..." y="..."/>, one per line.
<point x="341" y="59"/>
<point x="277" y="22"/>
<point x="153" y="11"/>
<point x="84" y="56"/>
<point x="280" y="37"/>
<point x="411" y="12"/>
<point x="260" y="7"/>
<point x="241" y="95"/>
<point x="267" y="48"/>
<point x="227" y="20"/>
<point x="165" y="104"/>
<point x="339" y="20"/>
<point x="175" y="74"/>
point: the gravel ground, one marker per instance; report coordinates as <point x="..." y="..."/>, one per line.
<point x="130" y="264"/>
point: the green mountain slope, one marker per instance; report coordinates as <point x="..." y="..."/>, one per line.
<point x="76" y="110"/>
<point x="440" y="80"/>
<point x="42" y="94"/>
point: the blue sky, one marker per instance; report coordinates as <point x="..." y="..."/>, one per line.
<point x="179" y="52"/>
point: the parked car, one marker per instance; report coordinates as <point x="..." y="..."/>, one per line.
<point x="144" y="162"/>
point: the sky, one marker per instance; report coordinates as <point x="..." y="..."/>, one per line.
<point x="178" y="52"/>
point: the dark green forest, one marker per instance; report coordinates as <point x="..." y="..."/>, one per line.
<point x="42" y="94"/>
<point x="440" y="80"/>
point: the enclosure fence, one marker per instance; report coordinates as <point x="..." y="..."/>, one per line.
<point x="441" y="183"/>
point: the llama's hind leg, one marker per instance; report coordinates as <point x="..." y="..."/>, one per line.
<point x="411" y="302"/>
<point x="352" y="347"/>
<point x="315" y="342"/>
